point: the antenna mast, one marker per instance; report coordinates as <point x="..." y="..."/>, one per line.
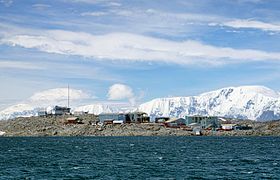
<point x="68" y="97"/>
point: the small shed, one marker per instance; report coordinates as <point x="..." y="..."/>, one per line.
<point x="175" y="122"/>
<point x="204" y="121"/>
<point x="108" y="121"/>
<point x="197" y="131"/>
<point x="228" y="127"/>
<point x="73" y="120"/>
<point x="118" y="122"/>
<point x="137" y="117"/>
<point x="42" y="113"/>
<point x="194" y="125"/>
<point x="161" y="119"/>
<point x="243" y="127"/>
<point x="59" y="111"/>
<point x="108" y="118"/>
<point x="133" y="117"/>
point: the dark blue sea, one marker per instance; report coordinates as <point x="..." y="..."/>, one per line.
<point x="140" y="158"/>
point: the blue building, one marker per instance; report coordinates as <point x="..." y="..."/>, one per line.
<point x="110" y="117"/>
<point x="204" y="121"/>
<point x="59" y="111"/>
<point x="42" y="113"/>
<point x="175" y="122"/>
<point x="134" y="117"/>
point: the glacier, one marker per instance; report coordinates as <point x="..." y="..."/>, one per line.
<point x="96" y="108"/>
<point x="25" y="110"/>
<point x="245" y="102"/>
<point x="43" y="100"/>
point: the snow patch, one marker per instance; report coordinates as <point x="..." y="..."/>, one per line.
<point x="96" y="109"/>
<point x="245" y="102"/>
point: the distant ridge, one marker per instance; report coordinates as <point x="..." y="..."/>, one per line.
<point x="96" y="109"/>
<point x="244" y="102"/>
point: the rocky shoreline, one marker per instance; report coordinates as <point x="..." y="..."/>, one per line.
<point x="55" y="126"/>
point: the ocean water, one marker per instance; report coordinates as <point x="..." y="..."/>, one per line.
<point x="140" y="158"/>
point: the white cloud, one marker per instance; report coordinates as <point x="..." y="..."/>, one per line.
<point x="17" y="108"/>
<point x="131" y="47"/>
<point x="97" y="13"/>
<point x="121" y="92"/>
<point x="183" y="17"/>
<point x="85" y="1"/>
<point x="50" y="97"/>
<point x="195" y="18"/>
<point x="41" y="6"/>
<point x="59" y="94"/>
<point x="4" y="64"/>
<point x="6" y="3"/>
<point x="114" y="4"/>
<point x="99" y="2"/>
<point x="162" y="17"/>
<point x="244" y="23"/>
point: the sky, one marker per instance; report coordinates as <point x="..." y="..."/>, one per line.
<point x="134" y="51"/>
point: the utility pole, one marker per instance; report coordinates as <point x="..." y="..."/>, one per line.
<point x="68" y="97"/>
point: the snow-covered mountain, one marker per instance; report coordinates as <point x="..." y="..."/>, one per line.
<point x="42" y="100"/>
<point x="245" y="102"/>
<point x="47" y="99"/>
<point x="25" y="110"/>
<point x="19" y="110"/>
<point x="96" y="109"/>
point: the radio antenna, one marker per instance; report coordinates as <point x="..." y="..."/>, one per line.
<point x="68" y="97"/>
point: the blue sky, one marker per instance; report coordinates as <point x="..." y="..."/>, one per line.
<point x="155" y="48"/>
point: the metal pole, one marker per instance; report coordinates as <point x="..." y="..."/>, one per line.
<point x="68" y="97"/>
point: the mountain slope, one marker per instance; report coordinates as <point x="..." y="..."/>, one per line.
<point x="96" y="109"/>
<point x="245" y="102"/>
<point x="26" y="110"/>
<point x="41" y="100"/>
<point x="19" y="110"/>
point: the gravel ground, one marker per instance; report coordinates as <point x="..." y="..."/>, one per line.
<point x="55" y="126"/>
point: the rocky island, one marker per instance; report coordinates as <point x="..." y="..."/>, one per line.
<point x="57" y="126"/>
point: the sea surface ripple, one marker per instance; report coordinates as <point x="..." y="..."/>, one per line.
<point x="140" y="158"/>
